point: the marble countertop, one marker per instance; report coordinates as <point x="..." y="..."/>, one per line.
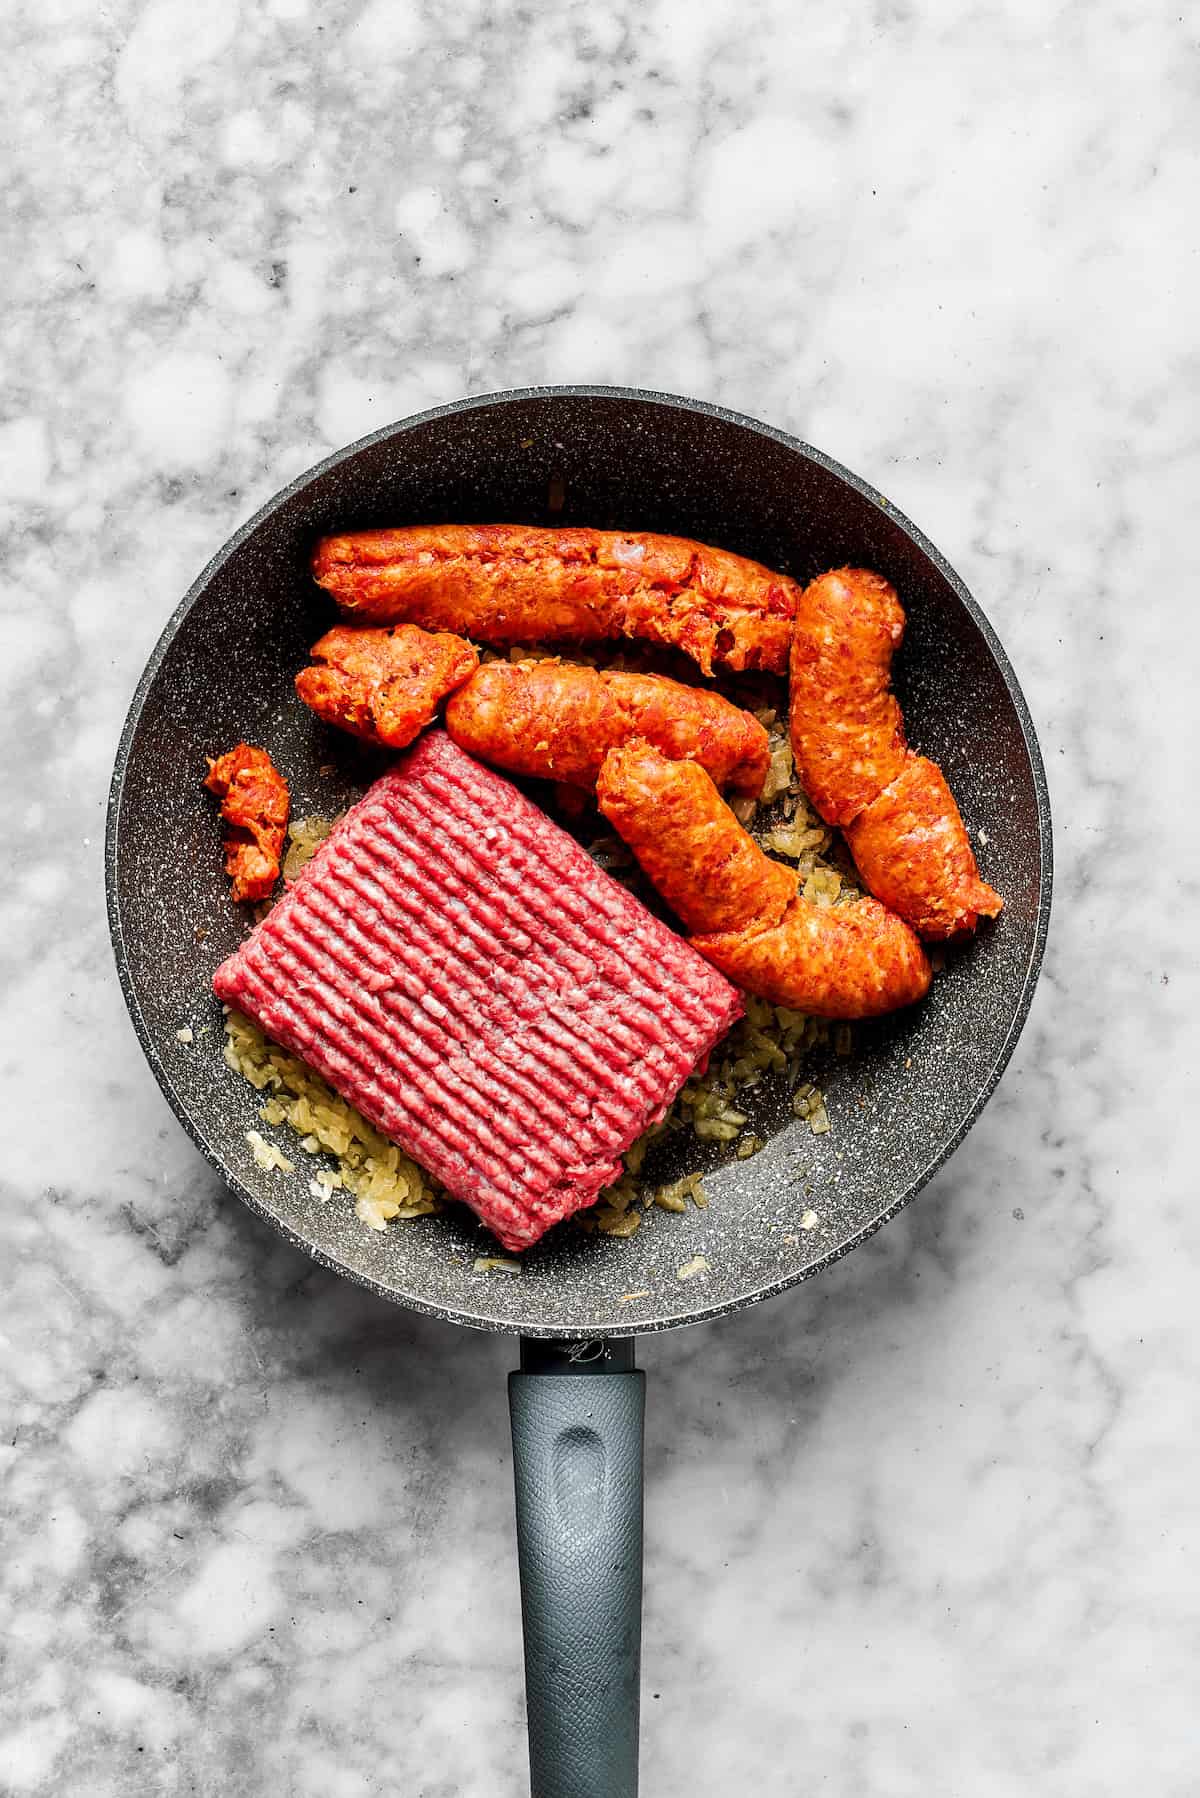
<point x="927" y="1526"/>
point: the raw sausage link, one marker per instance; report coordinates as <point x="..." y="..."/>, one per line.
<point x="842" y="961"/>
<point x="513" y="583"/>
<point x="557" y="721"/>
<point x="847" y="731"/>
<point x="900" y="818"/>
<point x="912" y="850"/>
<point x="383" y="685"/>
<point x="709" y="870"/>
<point x="744" y="910"/>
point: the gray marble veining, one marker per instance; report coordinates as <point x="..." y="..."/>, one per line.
<point x="927" y="1525"/>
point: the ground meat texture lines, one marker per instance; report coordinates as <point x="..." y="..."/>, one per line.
<point x="458" y="969"/>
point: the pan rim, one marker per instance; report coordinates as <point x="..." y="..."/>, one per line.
<point x="482" y="1320"/>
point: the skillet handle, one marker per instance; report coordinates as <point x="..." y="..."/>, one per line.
<point x="577" y="1417"/>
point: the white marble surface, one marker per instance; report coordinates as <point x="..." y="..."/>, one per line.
<point x="928" y="1526"/>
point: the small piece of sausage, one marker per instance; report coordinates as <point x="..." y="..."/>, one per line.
<point x="846" y="727"/>
<point x="254" y="804"/>
<point x="896" y="808"/>
<point x="384" y="685"/>
<point x="514" y="583"/>
<point x="557" y="721"/>
<point x="912" y="849"/>
<point x="744" y="910"/>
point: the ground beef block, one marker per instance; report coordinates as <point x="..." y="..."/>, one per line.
<point x="458" y="968"/>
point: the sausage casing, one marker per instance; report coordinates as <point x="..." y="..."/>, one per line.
<point x="557" y="721"/>
<point x="912" y="849"/>
<point x="743" y="910"/>
<point x="511" y="583"/>
<point x="709" y="870"/>
<point x="900" y="818"/>
<point x="846" y="726"/>
<point x="834" y="961"/>
<point x="383" y="685"/>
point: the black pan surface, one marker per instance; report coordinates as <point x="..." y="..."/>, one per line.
<point x="612" y="458"/>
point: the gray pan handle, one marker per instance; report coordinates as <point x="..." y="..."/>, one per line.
<point x="577" y="1416"/>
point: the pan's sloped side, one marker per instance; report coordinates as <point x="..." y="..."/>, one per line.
<point x="223" y="670"/>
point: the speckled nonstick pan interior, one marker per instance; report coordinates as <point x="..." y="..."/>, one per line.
<point x="223" y="671"/>
<point x="898" y="1105"/>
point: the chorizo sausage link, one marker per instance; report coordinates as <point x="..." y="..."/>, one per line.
<point x="911" y="847"/>
<point x="743" y="910"/>
<point x="557" y="721"/>
<point x="900" y="818"/>
<point x="847" y="731"/>
<point x="709" y="870"/>
<point x="509" y="584"/>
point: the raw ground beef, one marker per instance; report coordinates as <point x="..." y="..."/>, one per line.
<point x="459" y="969"/>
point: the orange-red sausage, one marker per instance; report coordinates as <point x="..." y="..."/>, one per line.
<point x="557" y="721"/>
<point x="912" y="850"/>
<point x="515" y="583"/>
<point x="842" y="961"/>
<point x="903" y="827"/>
<point x="743" y="910"/>
<point x="383" y="685"/>
<point x="847" y="731"/>
<point x="254" y="804"/>
<point x="709" y="870"/>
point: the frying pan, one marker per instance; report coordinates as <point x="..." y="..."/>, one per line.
<point x="898" y="1105"/>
